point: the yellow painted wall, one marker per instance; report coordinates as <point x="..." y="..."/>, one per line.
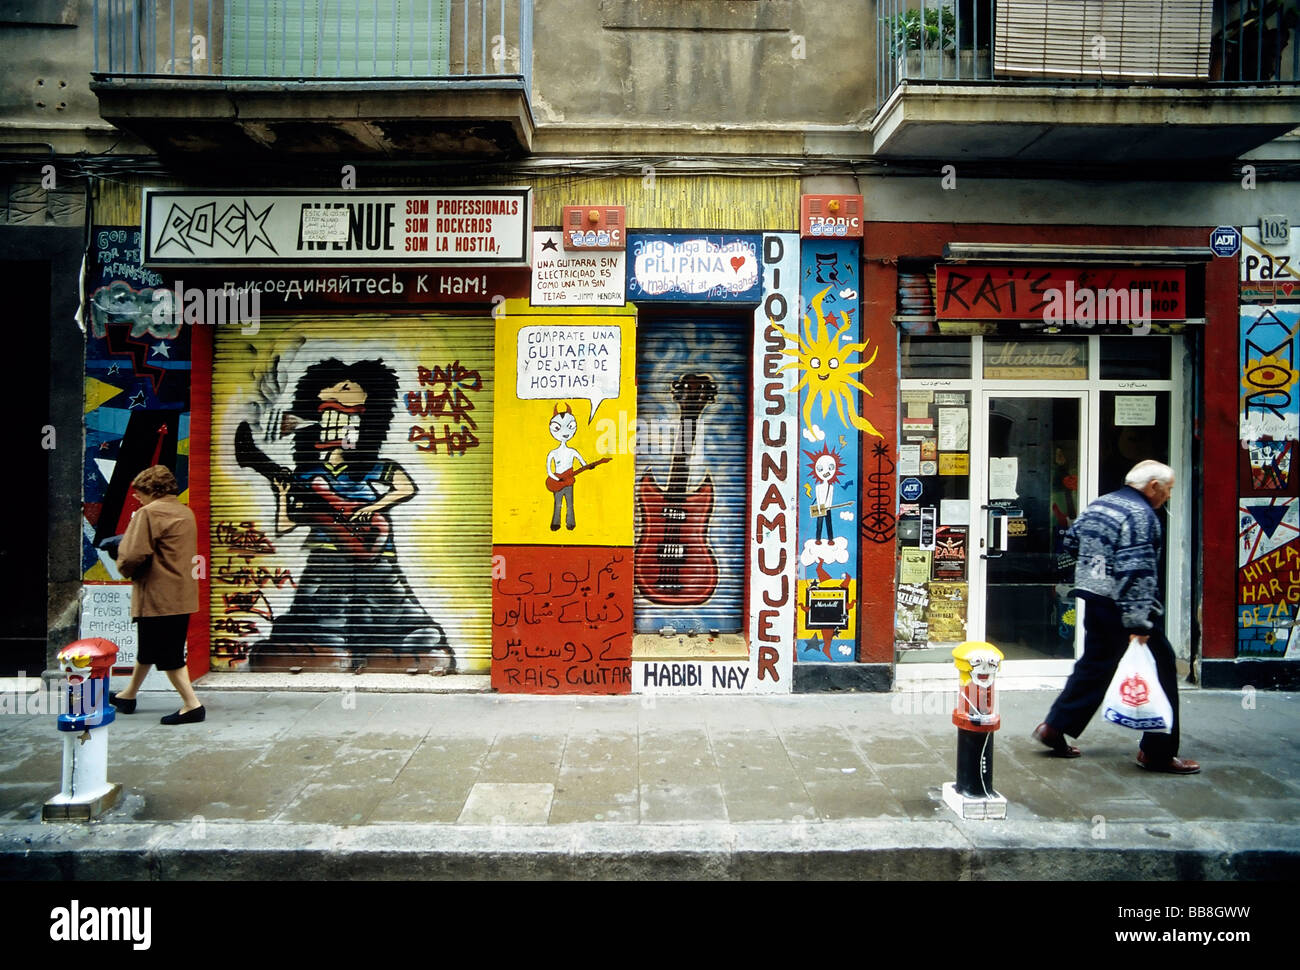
<point x="522" y="504"/>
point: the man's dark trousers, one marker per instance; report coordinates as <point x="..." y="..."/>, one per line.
<point x="1104" y="643"/>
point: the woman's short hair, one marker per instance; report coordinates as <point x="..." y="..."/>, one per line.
<point x="156" y="480"/>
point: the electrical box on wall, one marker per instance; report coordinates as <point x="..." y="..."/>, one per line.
<point x="834" y="216"/>
<point x="595" y="227"/>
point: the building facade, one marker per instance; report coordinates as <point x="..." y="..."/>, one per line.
<point x="769" y="350"/>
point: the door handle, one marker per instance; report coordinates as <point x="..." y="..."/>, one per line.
<point x="996" y="530"/>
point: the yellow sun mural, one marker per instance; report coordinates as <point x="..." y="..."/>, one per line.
<point x="825" y="369"/>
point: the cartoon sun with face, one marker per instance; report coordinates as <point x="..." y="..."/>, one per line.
<point x="825" y="369"/>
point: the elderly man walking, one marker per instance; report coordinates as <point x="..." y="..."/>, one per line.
<point x="1117" y="543"/>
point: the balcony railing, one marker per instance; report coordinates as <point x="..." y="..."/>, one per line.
<point x="1110" y="42"/>
<point x="325" y="40"/>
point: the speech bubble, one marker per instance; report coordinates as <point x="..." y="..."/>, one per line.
<point x="558" y="362"/>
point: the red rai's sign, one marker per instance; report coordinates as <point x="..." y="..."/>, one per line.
<point x="1022" y="292"/>
<point x="1134" y="691"/>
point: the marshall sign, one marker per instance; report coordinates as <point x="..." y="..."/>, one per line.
<point x="471" y="227"/>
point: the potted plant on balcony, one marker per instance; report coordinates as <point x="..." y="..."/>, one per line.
<point x="920" y="38"/>
<point x="925" y="46"/>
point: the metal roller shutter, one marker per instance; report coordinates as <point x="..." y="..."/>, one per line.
<point x="691" y="471"/>
<point x="314" y="419"/>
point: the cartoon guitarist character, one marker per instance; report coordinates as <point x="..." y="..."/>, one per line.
<point x="826" y="468"/>
<point x="560" y="463"/>
<point x="352" y="597"/>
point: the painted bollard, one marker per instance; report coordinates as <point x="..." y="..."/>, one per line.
<point x="85" y="791"/>
<point x="976" y="717"/>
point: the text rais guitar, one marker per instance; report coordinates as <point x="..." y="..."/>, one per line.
<point x="674" y="564"/>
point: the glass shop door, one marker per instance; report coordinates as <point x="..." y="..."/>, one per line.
<point x="1029" y="487"/>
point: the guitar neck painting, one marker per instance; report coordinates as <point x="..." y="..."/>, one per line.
<point x="674" y="564"/>
<point x="690" y="500"/>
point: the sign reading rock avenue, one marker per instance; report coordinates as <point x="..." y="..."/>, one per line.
<point x="471" y="227"/>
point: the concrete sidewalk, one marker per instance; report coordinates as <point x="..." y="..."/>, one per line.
<point x="339" y="783"/>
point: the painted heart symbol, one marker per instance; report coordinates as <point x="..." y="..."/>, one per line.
<point x="737" y="262"/>
<point x="1287" y="288"/>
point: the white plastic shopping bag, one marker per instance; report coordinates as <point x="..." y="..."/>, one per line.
<point x="1134" y="698"/>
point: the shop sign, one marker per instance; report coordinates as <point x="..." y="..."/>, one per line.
<point x="575" y="278"/>
<point x="686" y="268"/>
<point x="478" y="227"/>
<point x="1113" y="294"/>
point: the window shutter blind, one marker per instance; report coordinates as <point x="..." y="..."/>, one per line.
<point x="1157" y="39"/>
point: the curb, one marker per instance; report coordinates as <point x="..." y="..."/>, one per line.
<point x="864" y="850"/>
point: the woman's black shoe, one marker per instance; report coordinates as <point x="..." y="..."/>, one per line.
<point x="189" y="717"/>
<point x="123" y="705"/>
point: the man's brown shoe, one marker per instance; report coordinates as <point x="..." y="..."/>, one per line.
<point x="1055" y="740"/>
<point x="1173" y="766"/>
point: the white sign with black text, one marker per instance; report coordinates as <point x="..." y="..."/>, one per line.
<point x="461" y="227"/>
<point x="575" y="278"/>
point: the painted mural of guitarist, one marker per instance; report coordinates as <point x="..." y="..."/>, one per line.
<point x="352" y="598"/>
<point x="562" y="462"/>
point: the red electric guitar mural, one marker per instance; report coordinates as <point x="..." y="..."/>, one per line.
<point x="673" y="562"/>
<point x="566" y="477"/>
<point x="364" y="538"/>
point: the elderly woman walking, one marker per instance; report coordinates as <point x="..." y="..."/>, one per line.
<point x="157" y="553"/>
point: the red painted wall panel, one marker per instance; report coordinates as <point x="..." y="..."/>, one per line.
<point x="197" y="660"/>
<point x="562" y="619"/>
<point x="877" y="474"/>
<point x="1219" y="451"/>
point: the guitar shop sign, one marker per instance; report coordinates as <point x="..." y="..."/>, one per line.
<point x="479" y="227"/>
<point x="688" y="268"/>
<point x="1112" y="295"/>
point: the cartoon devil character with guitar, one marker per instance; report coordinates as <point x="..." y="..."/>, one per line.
<point x="564" y="463"/>
<point x="352" y="597"/>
